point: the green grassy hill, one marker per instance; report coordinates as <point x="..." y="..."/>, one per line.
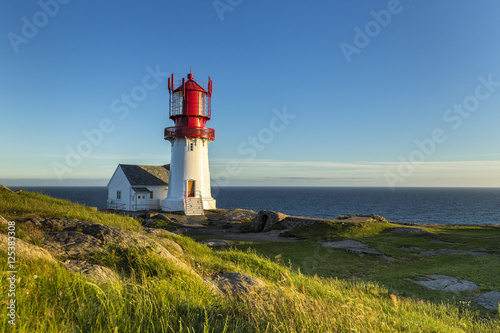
<point x="152" y="295"/>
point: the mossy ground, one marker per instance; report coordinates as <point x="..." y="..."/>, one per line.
<point x="310" y="289"/>
<point x="310" y="257"/>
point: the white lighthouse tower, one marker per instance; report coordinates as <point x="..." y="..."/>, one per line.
<point x="189" y="177"/>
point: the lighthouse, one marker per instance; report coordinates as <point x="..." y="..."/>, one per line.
<point x="189" y="177"/>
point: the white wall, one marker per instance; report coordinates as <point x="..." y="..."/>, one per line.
<point x="159" y="194"/>
<point x="119" y="182"/>
<point x="187" y="164"/>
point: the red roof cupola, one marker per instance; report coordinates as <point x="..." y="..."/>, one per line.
<point x="189" y="108"/>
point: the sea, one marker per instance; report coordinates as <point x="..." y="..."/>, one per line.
<point x="413" y="205"/>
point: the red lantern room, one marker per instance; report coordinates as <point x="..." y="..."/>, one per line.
<point x="189" y="108"/>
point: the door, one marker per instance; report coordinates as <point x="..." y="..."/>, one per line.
<point x="190" y="188"/>
<point x="142" y="201"/>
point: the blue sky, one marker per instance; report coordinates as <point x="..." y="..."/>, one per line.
<point x="345" y="93"/>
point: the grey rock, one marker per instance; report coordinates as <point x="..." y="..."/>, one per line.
<point x="72" y="244"/>
<point x="435" y="241"/>
<point x="237" y="283"/>
<point x="355" y="217"/>
<point x="5" y="188"/>
<point x="447" y="283"/>
<point x="237" y="215"/>
<point x="356" y="248"/>
<point x="75" y="239"/>
<point x="344" y="244"/>
<point x="36" y="221"/>
<point x="230" y="215"/>
<point x="266" y="220"/>
<point x="26" y="250"/>
<point x="411" y="248"/>
<point x="490" y="300"/>
<point x="147" y="222"/>
<point x="451" y="251"/>
<point x="156" y="231"/>
<point x="216" y="242"/>
<point x="93" y="271"/>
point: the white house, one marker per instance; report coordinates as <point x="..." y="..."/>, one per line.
<point x="138" y="187"/>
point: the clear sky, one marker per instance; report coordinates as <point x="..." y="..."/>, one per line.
<point x="340" y="93"/>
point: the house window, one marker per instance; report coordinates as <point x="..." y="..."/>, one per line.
<point x="150" y="195"/>
<point x="118" y="195"/>
<point x="191" y="146"/>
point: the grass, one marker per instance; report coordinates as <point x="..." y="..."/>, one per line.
<point x="52" y="299"/>
<point x="311" y="258"/>
<point x="164" y="224"/>
<point x="333" y="230"/>
<point x="25" y="205"/>
<point x="152" y="295"/>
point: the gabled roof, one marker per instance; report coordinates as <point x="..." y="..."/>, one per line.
<point x="146" y="174"/>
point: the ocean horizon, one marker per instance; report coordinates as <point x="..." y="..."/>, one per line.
<point x="427" y="205"/>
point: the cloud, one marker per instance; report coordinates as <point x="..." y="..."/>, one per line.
<point x="434" y="173"/>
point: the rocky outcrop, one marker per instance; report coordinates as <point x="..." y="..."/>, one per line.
<point x="237" y="283"/>
<point x="3" y="221"/>
<point x="372" y="217"/>
<point x="5" y="188"/>
<point x="165" y="242"/>
<point x="27" y="251"/>
<point x="439" y="252"/>
<point x="490" y="300"/>
<point x="93" y="271"/>
<point x="216" y="242"/>
<point x="356" y="248"/>
<point x="73" y="240"/>
<point x="267" y="220"/>
<point x="452" y="251"/>
<point x="447" y="283"/>
<point x="229" y="215"/>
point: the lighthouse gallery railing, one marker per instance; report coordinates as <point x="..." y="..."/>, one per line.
<point x="206" y="132"/>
